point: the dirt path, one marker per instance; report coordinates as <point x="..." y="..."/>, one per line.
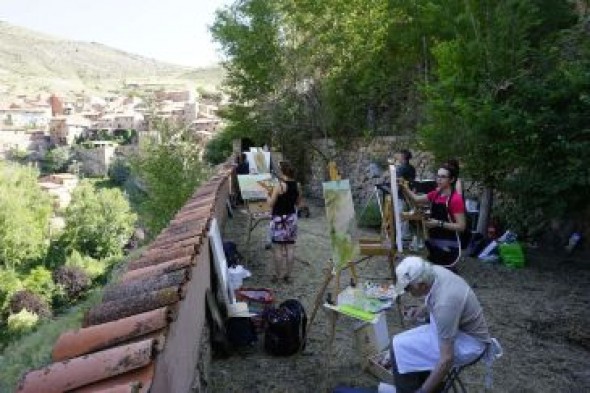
<point x="539" y="314"/>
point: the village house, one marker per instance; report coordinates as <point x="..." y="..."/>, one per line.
<point x="29" y="141"/>
<point x="15" y="117"/>
<point x="64" y="130"/>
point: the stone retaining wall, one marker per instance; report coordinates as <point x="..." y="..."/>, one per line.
<point x="364" y="163"/>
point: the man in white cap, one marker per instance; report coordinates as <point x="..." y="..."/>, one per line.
<point x="456" y="334"/>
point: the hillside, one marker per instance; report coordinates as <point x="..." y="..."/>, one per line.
<point x="32" y="61"/>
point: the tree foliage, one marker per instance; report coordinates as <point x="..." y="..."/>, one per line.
<point x="24" y="216"/>
<point x="98" y="222"/>
<point x="471" y="79"/>
<point x="168" y="169"/>
<point x="57" y="159"/>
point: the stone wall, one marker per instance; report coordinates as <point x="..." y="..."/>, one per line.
<point x="96" y="161"/>
<point x="364" y="163"/>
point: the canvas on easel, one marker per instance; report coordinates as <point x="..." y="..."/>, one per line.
<point x="396" y="209"/>
<point x="220" y="262"/>
<point x="341" y="222"/>
<point x="251" y="186"/>
<point x="258" y="160"/>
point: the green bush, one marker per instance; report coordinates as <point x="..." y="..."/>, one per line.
<point x="22" y="321"/>
<point x="219" y="148"/>
<point x="93" y="268"/>
<point x="40" y="282"/>
<point x="119" y="171"/>
<point x="11" y="284"/>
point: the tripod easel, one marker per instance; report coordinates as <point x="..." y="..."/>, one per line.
<point x="371" y="249"/>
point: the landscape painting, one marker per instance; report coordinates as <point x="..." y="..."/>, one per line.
<point x="259" y="160"/>
<point x="252" y="187"/>
<point x="341" y="222"/>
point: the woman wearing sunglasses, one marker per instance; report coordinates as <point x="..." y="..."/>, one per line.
<point x="447" y="216"/>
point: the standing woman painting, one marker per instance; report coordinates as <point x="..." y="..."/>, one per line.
<point x="283" y="201"/>
<point x="447" y="216"/>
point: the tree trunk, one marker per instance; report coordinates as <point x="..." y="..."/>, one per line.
<point x="485" y="208"/>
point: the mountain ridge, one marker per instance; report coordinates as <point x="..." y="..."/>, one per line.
<point x="32" y="61"/>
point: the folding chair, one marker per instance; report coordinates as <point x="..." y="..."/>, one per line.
<point x="453" y="381"/>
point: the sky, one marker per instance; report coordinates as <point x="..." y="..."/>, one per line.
<point x="175" y="31"/>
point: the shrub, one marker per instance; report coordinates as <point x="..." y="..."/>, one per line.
<point x="73" y="280"/>
<point x="119" y="171"/>
<point x="92" y="267"/>
<point x="11" y="284"/>
<point x="40" y="282"/>
<point x="22" y="321"/>
<point x="31" y="301"/>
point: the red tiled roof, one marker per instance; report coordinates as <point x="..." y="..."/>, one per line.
<point x="117" y="349"/>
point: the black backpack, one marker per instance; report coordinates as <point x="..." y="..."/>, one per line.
<point x="232" y="255"/>
<point x="285" y="329"/>
<point x="241" y="332"/>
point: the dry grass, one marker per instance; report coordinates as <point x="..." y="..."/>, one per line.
<point x="539" y="314"/>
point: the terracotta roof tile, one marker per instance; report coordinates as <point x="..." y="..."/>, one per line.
<point x="156" y="270"/>
<point x="132" y="387"/>
<point x="122" y="308"/>
<point x="91" y="339"/>
<point x="187" y="226"/>
<point x="114" y="351"/>
<point x="81" y="371"/>
<point x="194" y="214"/>
<point x="161" y="254"/>
<point x="140" y="378"/>
<point x="143" y="285"/>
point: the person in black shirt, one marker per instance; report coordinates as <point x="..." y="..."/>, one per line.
<point x="283" y="201"/>
<point x="243" y="167"/>
<point x="404" y="171"/>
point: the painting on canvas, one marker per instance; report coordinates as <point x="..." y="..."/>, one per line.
<point x="259" y="160"/>
<point x="221" y="268"/>
<point x="251" y="187"/>
<point x="341" y="222"/>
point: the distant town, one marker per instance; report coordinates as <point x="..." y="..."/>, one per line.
<point x="32" y="125"/>
<point x="98" y="128"/>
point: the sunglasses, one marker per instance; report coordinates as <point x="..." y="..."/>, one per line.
<point x="442" y="176"/>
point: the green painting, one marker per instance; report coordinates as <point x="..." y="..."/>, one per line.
<point x="341" y="222"/>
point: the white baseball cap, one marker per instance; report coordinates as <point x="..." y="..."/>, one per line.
<point x="408" y="270"/>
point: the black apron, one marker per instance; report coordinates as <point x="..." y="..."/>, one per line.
<point x="443" y="245"/>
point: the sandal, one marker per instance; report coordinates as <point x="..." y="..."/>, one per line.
<point x="274" y="279"/>
<point x="287" y="280"/>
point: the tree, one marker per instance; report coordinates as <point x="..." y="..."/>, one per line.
<point x="24" y="216"/>
<point x="168" y="169"/>
<point x="56" y="160"/>
<point x="505" y="101"/>
<point x="98" y="222"/>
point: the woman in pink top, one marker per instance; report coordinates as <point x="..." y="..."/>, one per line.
<point x="447" y="216"/>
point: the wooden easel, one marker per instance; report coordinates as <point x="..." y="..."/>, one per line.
<point x="258" y="211"/>
<point x="418" y="215"/>
<point x="388" y="230"/>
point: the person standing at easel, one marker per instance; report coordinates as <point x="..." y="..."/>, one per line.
<point x="282" y="201"/>
<point x="404" y="171"/>
<point x="447" y="216"/>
